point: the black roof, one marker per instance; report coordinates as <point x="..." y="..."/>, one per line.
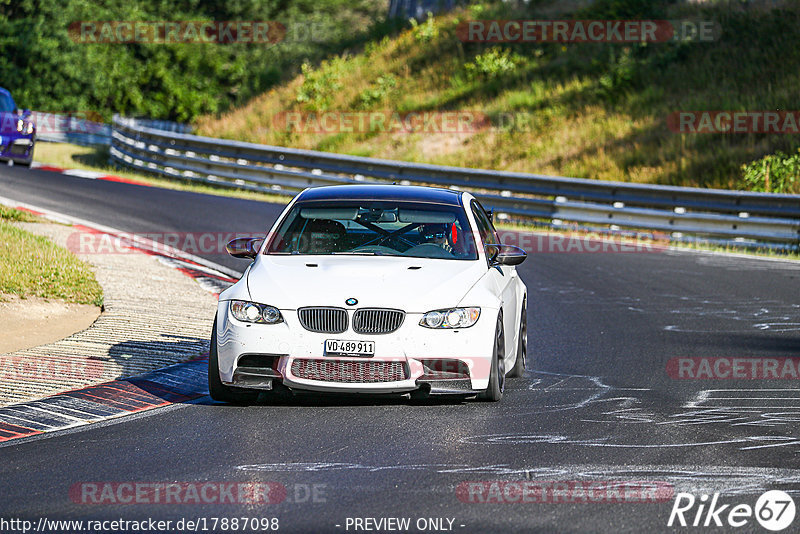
<point x="408" y="193"/>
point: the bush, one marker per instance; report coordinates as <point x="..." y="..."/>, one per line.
<point x="775" y="173"/>
<point x="378" y="91"/>
<point x="494" y="63"/>
<point x="620" y="75"/>
<point x="318" y="86"/>
<point x="427" y="31"/>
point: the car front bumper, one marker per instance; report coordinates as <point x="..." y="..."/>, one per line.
<point x="402" y="362"/>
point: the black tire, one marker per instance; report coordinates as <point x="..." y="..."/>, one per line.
<point x="218" y="390"/>
<point x="497" y="374"/>
<point x="522" y="346"/>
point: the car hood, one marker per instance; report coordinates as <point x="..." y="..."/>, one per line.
<point x="415" y="285"/>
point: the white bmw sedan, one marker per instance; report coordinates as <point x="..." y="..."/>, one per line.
<point x="373" y="289"/>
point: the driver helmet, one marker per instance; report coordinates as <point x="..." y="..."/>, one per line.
<point x="434" y="231"/>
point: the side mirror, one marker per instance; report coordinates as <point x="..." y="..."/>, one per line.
<point x="505" y="254"/>
<point x="244" y="247"/>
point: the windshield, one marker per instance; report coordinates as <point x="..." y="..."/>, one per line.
<point x="6" y="104"/>
<point x="376" y="228"/>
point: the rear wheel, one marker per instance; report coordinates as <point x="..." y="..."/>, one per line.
<point x="497" y="374"/>
<point x="218" y="390"/>
<point x="522" y="346"/>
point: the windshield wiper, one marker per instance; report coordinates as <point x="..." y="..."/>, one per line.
<point x="359" y="253"/>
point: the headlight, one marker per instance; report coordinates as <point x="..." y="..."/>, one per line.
<point x="452" y="318"/>
<point x="250" y="312"/>
<point x="24" y="127"/>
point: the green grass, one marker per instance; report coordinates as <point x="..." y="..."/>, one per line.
<point x="32" y="265"/>
<point x="590" y="110"/>
<point x="11" y="214"/>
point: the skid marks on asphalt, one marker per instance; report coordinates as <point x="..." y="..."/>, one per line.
<point x="695" y="479"/>
<point x="602" y="408"/>
<point x="683" y="313"/>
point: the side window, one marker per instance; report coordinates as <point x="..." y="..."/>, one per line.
<point x="485" y="228"/>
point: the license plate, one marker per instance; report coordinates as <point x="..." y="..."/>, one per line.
<point x="351" y="348"/>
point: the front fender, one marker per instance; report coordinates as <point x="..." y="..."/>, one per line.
<point x="482" y="296"/>
<point x="238" y="291"/>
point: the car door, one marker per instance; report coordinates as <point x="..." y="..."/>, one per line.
<point x="502" y="277"/>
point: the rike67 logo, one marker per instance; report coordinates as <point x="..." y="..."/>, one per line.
<point x="774" y="510"/>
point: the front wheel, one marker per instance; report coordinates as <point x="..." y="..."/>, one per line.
<point x="522" y="346"/>
<point x="497" y="374"/>
<point x="218" y="390"/>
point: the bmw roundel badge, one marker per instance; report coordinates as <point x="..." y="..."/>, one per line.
<point x="351" y="301"/>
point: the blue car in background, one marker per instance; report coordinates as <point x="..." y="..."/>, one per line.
<point x="17" y="131"/>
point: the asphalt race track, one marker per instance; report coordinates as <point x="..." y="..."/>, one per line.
<point x="598" y="404"/>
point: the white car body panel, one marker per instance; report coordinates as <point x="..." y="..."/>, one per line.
<point x="289" y="282"/>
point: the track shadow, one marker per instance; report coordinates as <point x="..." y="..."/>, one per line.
<point x="173" y="349"/>
<point x="326" y="400"/>
<point x="181" y="368"/>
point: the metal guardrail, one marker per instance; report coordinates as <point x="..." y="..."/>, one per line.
<point x="732" y="215"/>
<point x="79" y="130"/>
